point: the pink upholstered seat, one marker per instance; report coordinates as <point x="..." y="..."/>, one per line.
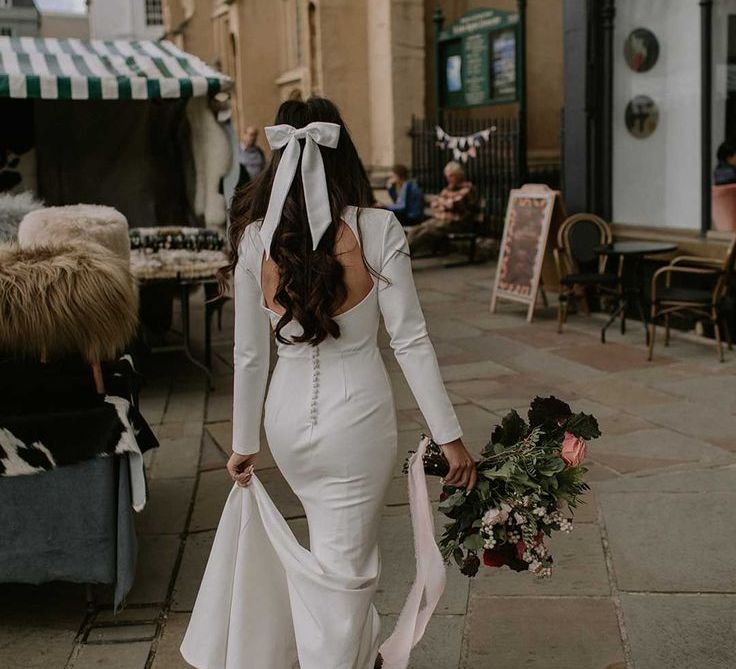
<point x="724" y="207"/>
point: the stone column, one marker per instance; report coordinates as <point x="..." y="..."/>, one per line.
<point x="395" y="78"/>
<point x="380" y="84"/>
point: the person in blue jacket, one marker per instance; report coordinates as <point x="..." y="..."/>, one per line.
<point x="407" y="199"/>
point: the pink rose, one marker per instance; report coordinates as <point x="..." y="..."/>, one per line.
<point x="573" y="450"/>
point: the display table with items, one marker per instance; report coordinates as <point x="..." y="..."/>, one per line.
<point x="183" y="259"/>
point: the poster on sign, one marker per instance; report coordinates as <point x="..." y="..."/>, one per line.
<point x="532" y="211"/>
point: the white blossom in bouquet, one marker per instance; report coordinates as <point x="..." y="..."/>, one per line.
<point x="496" y="516"/>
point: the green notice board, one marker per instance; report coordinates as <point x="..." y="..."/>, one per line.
<point x="478" y="59"/>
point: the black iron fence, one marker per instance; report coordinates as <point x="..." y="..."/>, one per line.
<point x="494" y="170"/>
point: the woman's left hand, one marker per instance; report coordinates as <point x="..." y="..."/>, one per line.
<point x="240" y="468"/>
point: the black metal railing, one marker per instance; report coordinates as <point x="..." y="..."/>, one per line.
<point x="494" y="170"/>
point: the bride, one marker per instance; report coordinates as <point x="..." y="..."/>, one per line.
<point x="313" y="263"/>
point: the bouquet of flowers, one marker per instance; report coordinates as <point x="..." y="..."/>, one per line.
<point x="530" y="476"/>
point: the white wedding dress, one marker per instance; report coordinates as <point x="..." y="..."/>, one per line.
<point x="265" y="602"/>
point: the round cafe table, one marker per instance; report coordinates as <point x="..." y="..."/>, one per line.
<point x="632" y="283"/>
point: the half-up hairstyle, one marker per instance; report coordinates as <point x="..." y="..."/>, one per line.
<point x="311" y="283"/>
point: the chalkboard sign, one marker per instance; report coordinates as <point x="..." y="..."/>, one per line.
<point x="531" y="212"/>
<point x="477" y="59"/>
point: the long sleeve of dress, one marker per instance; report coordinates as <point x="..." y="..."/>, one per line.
<point x="404" y="320"/>
<point x="251" y="361"/>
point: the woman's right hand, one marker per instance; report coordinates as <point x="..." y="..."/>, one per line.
<point x="462" y="473"/>
<point x="240" y="468"/>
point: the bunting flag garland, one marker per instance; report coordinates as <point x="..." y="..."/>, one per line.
<point x="462" y="147"/>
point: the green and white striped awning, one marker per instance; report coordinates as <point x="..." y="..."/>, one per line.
<point x="73" y="69"/>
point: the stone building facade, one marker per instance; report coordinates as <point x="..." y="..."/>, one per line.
<point x="19" y="18"/>
<point x="374" y="58"/>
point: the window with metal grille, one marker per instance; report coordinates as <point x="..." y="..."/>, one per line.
<point x="154" y="13"/>
<point x="6" y="31"/>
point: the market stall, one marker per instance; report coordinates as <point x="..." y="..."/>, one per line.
<point x="137" y="125"/>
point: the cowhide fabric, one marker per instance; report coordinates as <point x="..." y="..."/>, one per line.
<point x="51" y="416"/>
<point x="31" y="446"/>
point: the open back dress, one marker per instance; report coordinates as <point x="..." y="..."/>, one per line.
<point x="265" y="601"/>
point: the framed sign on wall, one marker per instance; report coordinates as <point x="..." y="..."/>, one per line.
<point x="533" y="211"/>
<point x="478" y="59"/>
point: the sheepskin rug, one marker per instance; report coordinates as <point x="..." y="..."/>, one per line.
<point x="213" y="159"/>
<point x="13" y="207"/>
<point x="75" y="223"/>
<point x="61" y="300"/>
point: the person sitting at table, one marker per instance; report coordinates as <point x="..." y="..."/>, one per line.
<point x="453" y="210"/>
<point x="725" y="172"/>
<point x="407" y="199"/>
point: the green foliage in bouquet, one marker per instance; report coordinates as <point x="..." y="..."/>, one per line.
<point x="530" y="474"/>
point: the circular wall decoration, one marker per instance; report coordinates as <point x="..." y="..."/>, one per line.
<point x="641" y="50"/>
<point x="642" y="116"/>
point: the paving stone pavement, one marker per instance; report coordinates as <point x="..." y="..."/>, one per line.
<point x="646" y="581"/>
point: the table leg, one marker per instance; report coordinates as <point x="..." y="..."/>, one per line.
<point x="619" y="310"/>
<point x="187" y="334"/>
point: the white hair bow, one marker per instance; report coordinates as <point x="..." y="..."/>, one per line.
<point x="314" y="182"/>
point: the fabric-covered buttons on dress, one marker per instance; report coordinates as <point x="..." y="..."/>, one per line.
<point x="315" y="386"/>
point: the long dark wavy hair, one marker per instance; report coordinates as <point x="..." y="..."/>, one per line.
<point x="311" y="283"/>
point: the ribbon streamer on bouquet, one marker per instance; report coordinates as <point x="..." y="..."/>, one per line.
<point x="463" y="146"/>
<point x="429" y="582"/>
<point x="314" y="181"/>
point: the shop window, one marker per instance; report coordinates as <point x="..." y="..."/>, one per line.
<point x="656" y="114"/>
<point x="724" y="73"/>
<point x="294" y="56"/>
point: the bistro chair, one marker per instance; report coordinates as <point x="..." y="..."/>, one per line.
<point x="714" y="303"/>
<point x="580" y="267"/>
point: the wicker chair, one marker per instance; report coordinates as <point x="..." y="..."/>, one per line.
<point x="579" y="266"/>
<point x="713" y="303"/>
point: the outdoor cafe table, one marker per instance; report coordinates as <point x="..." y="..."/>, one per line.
<point x="632" y="289"/>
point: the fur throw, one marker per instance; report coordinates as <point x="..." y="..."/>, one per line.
<point x="13" y="207"/>
<point x="61" y="300"/>
<point x="75" y="223"/>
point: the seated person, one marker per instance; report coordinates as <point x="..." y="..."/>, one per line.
<point x="407" y="199"/>
<point x="725" y="172"/>
<point x="453" y="210"/>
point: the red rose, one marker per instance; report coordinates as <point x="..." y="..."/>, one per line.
<point x="493" y="558"/>
<point x="520" y="548"/>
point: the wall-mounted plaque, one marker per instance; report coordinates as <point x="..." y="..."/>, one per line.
<point x="642" y="116"/>
<point x="641" y="50"/>
<point x="477" y="57"/>
<point x="532" y="211"/>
